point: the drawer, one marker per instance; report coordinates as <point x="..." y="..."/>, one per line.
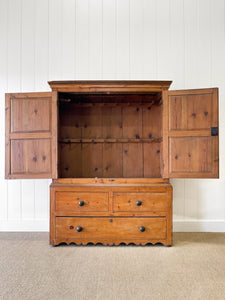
<point x="110" y="228"/>
<point x="139" y="202"/>
<point x="82" y="201"/>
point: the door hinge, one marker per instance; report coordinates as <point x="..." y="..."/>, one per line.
<point x="214" y="131"/>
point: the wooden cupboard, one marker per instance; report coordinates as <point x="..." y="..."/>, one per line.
<point x="110" y="148"/>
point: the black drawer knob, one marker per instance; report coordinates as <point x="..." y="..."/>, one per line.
<point x="81" y="203"/>
<point x="79" y="228"/>
<point x="142" y="228"/>
<point x="139" y="203"/>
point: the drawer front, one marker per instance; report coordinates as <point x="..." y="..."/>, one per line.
<point x="139" y="202"/>
<point x="110" y="228"/>
<point x="82" y="201"/>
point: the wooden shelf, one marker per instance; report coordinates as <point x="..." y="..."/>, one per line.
<point x="140" y="140"/>
<point x="109" y="104"/>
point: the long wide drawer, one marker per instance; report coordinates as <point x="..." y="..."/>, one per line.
<point x="82" y="201"/>
<point x="139" y="202"/>
<point x="110" y="228"/>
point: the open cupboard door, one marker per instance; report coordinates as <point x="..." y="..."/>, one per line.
<point x="31" y="135"/>
<point x="190" y="134"/>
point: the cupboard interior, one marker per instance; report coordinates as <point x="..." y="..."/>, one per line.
<point x="110" y="135"/>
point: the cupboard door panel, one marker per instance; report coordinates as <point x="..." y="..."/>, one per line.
<point x="30" y="116"/>
<point x="190" y="112"/>
<point x="190" y="154"/>
<point x="190" y="134"/>
<point x="31" y="125"/>
<point x="31" y="156"/>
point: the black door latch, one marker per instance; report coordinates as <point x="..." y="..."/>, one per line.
<point x="214" y="131"/>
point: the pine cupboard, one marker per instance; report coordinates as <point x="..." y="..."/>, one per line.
<point x="110" y="148"/>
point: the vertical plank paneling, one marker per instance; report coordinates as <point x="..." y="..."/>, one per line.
<point x="218" y="67"/>
<point x="109" y="39"/>
<point x="68" y="39"/>
<point x="92" y="39"/>
<point x="27" y="84"/>
<point x="92" y="160"/>
<point x="217" y="71"/>
<point x="109" y="25"/>
<point x="41" y="187"/>
<point x="123" y="39"/>
<point x="41" y="51"/>
<point x="217" y="43"/>
<point x="95" y="39"/>
<point x="190" y="199"/>
<point x="177" y="35"/>
<point x="177" y="40"/>
<point x="14" y="85"/>
<point x="133" y="160"/>
<point x="163" y="40"/>
<point x="41" y="199"/>
<point x="112" y="160"/>
<point x="27" y="45"/>
<point x="55" y="39"/>
<point x="14" y="45"/>
<point x="82" y="40"/>
<point x="28" y="200"/>
<point x="55" y="62"/>
<point x="3" y="89"/>
<point x="208" y="208"/>
<point x="149" y="48"/>
<point x="200" y="39"/>
<point x="204" y="43"/>
<point x="191" y="43"/>
<point x="217" y="75"/>
<point x="136" y="39"/>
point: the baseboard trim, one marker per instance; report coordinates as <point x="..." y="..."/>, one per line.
<point x="199" y="225"/>
<point x="178" y="225"/>
<point x="24" y="225"/>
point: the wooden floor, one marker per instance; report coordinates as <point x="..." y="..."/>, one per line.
<point x="194" y="268"/>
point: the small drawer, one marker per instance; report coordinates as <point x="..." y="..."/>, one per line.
<point x="110" y="228"/>
<point x="82" y="202"/>
<point x="139" y="202"/>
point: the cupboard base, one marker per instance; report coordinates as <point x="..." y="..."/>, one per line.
<point x="113" y="214"/>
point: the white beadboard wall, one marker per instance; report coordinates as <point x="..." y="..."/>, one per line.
<point x="182" y="40"/>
